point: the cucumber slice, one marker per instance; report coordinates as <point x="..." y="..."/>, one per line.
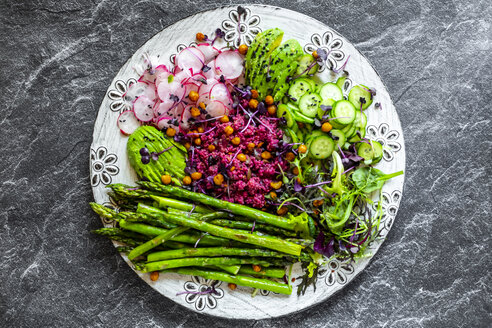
<point x="330" y="91"/>
<point x="360" y="120"/>
<point x="338" y="136"/>
<point x="370" y="152"/>
<point x="314" y="134"/>
<point x="349" y="131"/>
<point x="304" y="63"/>
<point x="284" y="111"/>
<point x="336" y="125"/>
<point x="358" y="92"/>
<point x="321" y="147"/>
<point x="293" y="107"/>
<point x="359" y="134"/>
<point x="326" y="102"/>
<point x="341" y="82"/>
<point x="299" y="117"/>
<point x="300" y="135"/>
<point x="299" y="88"/>
<point x="344" y="112"/>
<point x="309" y="104"/>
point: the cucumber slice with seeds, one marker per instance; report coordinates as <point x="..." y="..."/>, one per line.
<point x="372" y="151"/>
<point x="299" y="88"/>
<point x="360" y="92"/>
<point x="321" y="147"/>
<point x="343" y="111"/>
<point x="309" y="104"/>
<point x="338" y="136"/>
<point x="330" y="91"/>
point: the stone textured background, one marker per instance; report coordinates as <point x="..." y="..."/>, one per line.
<point x="57" y="59"/>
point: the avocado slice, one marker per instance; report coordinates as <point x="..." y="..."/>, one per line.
<point x="261" y="53"/>
<point x="172" y="162"/>
<point x="281" y="60"/>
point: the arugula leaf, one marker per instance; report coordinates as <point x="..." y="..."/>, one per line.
<point x="368" y="179"/>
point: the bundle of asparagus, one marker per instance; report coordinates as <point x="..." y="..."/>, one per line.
<point x="163" y="232"/>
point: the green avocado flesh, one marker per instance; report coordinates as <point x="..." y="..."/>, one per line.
<point x="171" y="162"/>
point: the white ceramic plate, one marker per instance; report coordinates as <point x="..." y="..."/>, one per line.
<point x="109" y="163"/>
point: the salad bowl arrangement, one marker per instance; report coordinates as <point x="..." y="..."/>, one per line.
<point x="243" y="168"/>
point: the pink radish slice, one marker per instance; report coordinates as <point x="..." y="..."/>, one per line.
<point x="220" y="92"/>
<point x="163" y="77"/>
<point x="190" y="60"/>
<point x="184" y="122"/>
<point x="230" y="64"/>
<point x="150" y="75"/>
<point x="166" y="89"/>
<point x="138" y="89"/>
<point x="209" y="52"/>
<point x="205" y="88"/>
<point x="216" y="108"/>
<point x="211" y="73"/>
<point x="144" y="108"/>
<point x="164" y="122"/>
<point x="127" y="122"/>
<point x="163" y="107"/>
<point x="181" y="76"/>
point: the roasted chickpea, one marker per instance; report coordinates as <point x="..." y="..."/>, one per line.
<point x="187" y="180"/>
<point x="273" y="195"/>
<point x="253" y="103"/>
<point x="154" y="275"/>
<point x="326" y="127"/>
<point x="295" y="170"/>
<point x="276" y="185"/>
<point x="218" y="179"/>
<point x="195" y="112"/>
<point x="200" y="129"/>
<point x="241" y="157"/>
<point x="282" y="211"/>
<point x="272" y="109"/>
<point x="202" y="105"/>
<point x="166" y="179"/>
<point x="224" y="119"/>
<point x="170" y="132"/>
<point x="197" y="141"/>
<point x="200" y="37"/>
<point x="269" y="100"/>
<point x="256" y="268"/>
<point x="196" y="175"/>
<point x="317" y="202"/>
<point x="254" y="94"/>
<point x="243" y="49"/>
<point x="211" y="147"/>
<point x="290" y="156"/>
<point x="315" y="54"/>
<point x="187" y="145"/>
<point x="228" y="130"/>
<point x="193" y="96"/>
<point x="302" y="149"/>
<point x="236" y="141"/>
<point x="266" y="155"/>
<point x="231" y="286"/>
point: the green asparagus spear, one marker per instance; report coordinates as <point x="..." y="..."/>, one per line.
<point x="264" y="284"/>
<point x="139" y="217"/>
<point x="290" y="224"/>
<point x="156" y="241"/>
<point x="202" y="261"/>
<point x="244" y="225"/>
<point x="210" y="252"/>
<point x="103" y="211"/>
<point x="180" y="205"/>
<point x="239" y="235"/>
<point x="183" y="238"/>
<point x="232" y="269"/>
<point x="126" y="191"/>
<point x="264" y="272"/>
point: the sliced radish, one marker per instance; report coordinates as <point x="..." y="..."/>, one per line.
<point x="164" y="122"/>
<point x="205" y="88"/>
<point x="211" y="73"/>
<point x="216" y="108"/>
<point x="209" y="52"/>
<point x="185" y="117"/>
<point x="190" y="60"/>
<point x="220" y="92"/>
<point x="144" y="108"/>
<point x="230" y="64"/>
<point x="162" y="107"/>
<point x="127" y="122"/>
<point x="138" y="89"/>
<point x="163" y="77"/>
<point x="165" y="90"/>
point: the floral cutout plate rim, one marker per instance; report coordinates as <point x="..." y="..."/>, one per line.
<point x="109" y="164"/>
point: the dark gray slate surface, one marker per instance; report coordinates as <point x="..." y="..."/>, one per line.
<point x="58" y="58"/>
